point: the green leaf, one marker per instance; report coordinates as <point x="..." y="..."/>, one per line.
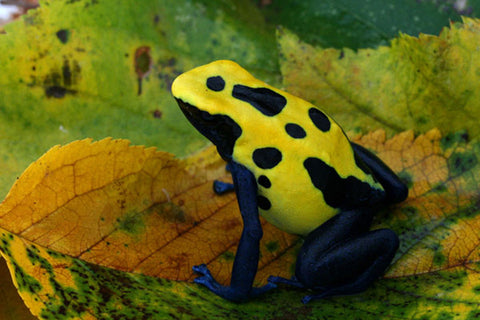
<point x="69" y="71"/>
<point x="357" y="24"/>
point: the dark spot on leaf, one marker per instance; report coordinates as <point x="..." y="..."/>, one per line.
<point x="422" y="120"/>
<point x="439" y="258"/>
<point x="143" y="65"/>
<point x="157" y="114"/>
<point x="452" y="139"/>
<point x="444" y="316"/>
<point x="171" y="212"/>
<point x="143" y="61"/>
<point x="67" y="74"/>
<point x="441" y="187"/>
<point x="461" y="162"/>
<point x="228" y="256"/>
<point x="56" y="92"/>
<point x="476" y="289"/>
<point x="131" y="223"/>
<point x="272" y="246"/>
<point x="105" y="293"/>
<point x="63" y="35"/>
<point x="409" y="211"/>
<point x="171" y="62"/>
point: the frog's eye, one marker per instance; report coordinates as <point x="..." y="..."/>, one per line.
<point x="216" y="83"/>
<point x="264" y="100"/>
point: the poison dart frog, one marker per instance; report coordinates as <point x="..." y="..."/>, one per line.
<point x="294" y="165"/>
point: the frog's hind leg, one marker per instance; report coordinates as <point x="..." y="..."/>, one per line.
<point x="351" y="266"/>
<point x="396" y="190"/>
<point x="342" y="257"/>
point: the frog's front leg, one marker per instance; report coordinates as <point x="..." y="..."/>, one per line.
<point x="342" y="257"/>
<point x="246" y="259"/>
<point x="221" y="187"/>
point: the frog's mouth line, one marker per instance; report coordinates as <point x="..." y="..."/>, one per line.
<point x="221" y="130"/>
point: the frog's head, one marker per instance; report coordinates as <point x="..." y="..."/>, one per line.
<point x="218" y="97"/>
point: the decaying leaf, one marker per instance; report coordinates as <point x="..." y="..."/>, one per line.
<point x="87" y="208"/>
<point x="416" y="83"/>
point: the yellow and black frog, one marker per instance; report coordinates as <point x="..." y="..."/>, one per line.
<point x="293" y="164"/>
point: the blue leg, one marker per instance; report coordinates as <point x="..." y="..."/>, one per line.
<point x="342" y="257"/>
<point x="247" y="256"/>
<point x="357" y="262"/>
<point x="396" y="191"/>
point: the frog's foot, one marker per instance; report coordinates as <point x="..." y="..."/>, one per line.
<point x="206" y="279"/>
<point x="221" y="187"/>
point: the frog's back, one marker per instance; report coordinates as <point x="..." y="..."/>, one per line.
<point x="304" y="164"/>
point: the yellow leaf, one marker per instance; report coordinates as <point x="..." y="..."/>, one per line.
<point x="131" y="209"/>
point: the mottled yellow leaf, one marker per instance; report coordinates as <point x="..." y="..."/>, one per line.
<point x="415" y="83"/>
<point x="130" y="208"/>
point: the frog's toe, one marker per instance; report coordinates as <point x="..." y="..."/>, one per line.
<point x="202" y="269"/>
<point x="206" y="278"/>
<point x="307" y="299"/>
